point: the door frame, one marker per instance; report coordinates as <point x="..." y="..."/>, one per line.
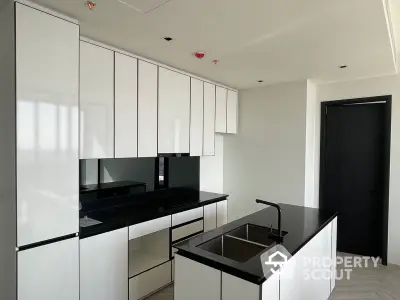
<point x="387" y="99"/>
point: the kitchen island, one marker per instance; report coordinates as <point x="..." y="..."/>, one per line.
<point x="229" y="262"/>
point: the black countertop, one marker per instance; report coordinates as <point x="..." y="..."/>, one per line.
<point x="301" y="223"/>
<point x="130" y="210"/>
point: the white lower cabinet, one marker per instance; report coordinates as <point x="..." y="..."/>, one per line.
<point x="222" y="213"/>
<point x="150" y="281"/>
<point x="210" y="217"/>
<point x="49" y="272"/>
<point x="196" y="281"/>
<point x="303" y="276"/>
<point x="334" y="253"/>
<point x="104" y="266"/>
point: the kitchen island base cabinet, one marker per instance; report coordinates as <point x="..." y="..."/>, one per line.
<point x="307" y="275"/>
<point x="104" y="266"/>
<point x="49" y="272"/>
<point x="195" y="281"/>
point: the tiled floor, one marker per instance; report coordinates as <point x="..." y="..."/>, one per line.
<point x="381" y="283"/>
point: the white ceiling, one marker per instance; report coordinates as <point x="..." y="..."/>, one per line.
<point x="272" y="40"/>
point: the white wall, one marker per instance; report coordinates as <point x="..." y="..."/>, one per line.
<point x="388" y="85"/>
<point x="212" y="168"/>
<point x="266" y="159"/>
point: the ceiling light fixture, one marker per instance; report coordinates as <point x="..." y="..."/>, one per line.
<point x="260" y="81"/>
<point x="343" y="67"/>
<point x="168" y="39"/>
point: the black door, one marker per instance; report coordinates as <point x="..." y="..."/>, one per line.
<point x="355" y="174"/>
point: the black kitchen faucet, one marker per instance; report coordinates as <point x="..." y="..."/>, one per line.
<point x="279" y="215"/>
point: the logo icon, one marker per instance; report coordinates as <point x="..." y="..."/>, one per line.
<point x="277" y="260"/>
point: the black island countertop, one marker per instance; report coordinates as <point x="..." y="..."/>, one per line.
<point x="301" y="223"/>
<point x="130" y="210"/>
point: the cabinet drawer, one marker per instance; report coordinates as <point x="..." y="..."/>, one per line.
<point x="184" y="231"/>
<point x="150" y="281"/>
<point x="187" y="216"/>
<point x="148" y="227"/>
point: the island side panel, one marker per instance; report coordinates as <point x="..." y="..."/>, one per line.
<point x="234" y="288"/>
<point x="270" y="288"/>
<point x="301" y="278"/>
<point x="334" y="253"/>
<point x="196" y="281"/>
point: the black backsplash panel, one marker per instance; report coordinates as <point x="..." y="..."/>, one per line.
<point x="184" y="172"/>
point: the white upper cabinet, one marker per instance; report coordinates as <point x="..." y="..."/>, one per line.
<point x="173" y="112"/>
<point x="209" y="119"/>
<point x="96" y="102"/>
<point x="126" y="105"/>
<point x="147" y="109"/>
<point x="220" y="109"/>
<point x="232" y="112"/>
<point x="47" y="64"/>
<point x="196" y="117"/>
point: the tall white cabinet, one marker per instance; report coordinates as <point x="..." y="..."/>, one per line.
<point x="232" y="112"/>
<point x="96" y="102"/>
<point x="173" y="112"/>
<point x="47" y="167"/>
<point x="49" y="272"/>
<point x="126" y="106"/>
<point x="147" y="109"/>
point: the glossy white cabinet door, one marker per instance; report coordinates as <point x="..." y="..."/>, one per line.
<point x="220" y="109"/>
<point x="147" y="109"/>
<point x="49" y="272"/>
<point x="96" y="102"/>
<point x="196" y="117"/>
<point x="173" y="112"/>
<point x="104" y="266"/>
<point x="125" y="106"/>
<point x="47" y="55"/>
<point x="209" y="119"/>
<point x="334" y="253"/>
<point x="210" y="217"/>
<point x="232" y="112"/>
<point x="222" y="213"/>
<point x="196" y="281"/>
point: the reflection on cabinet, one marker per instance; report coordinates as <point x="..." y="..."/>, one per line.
<point x="49" y="272"/>
<point x="173" y="112"/>
<point x="232" y="112"/>
<point x="47" y="86"/>
<point x="125" y="106"/>
<point x="150" y="281"/>
<point x="210" y="217"/>
<point x="222" y="213"/>
<point x="96" y="102"/>
<point x="209" y="119"/>
<point x="220" y="109"/>
<point x="196" y="117"/>
<point x="104" y="266"/>
<point x="147" y="109"/>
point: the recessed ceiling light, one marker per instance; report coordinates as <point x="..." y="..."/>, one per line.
<point x="168" y="39"/>
<point x="343" y="67"/>
<point x="261" y="81"/>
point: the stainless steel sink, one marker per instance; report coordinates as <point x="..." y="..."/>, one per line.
<point x="257" y="234"/>
<point x="243" y="243"/>
<point x="233" y="248"/>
